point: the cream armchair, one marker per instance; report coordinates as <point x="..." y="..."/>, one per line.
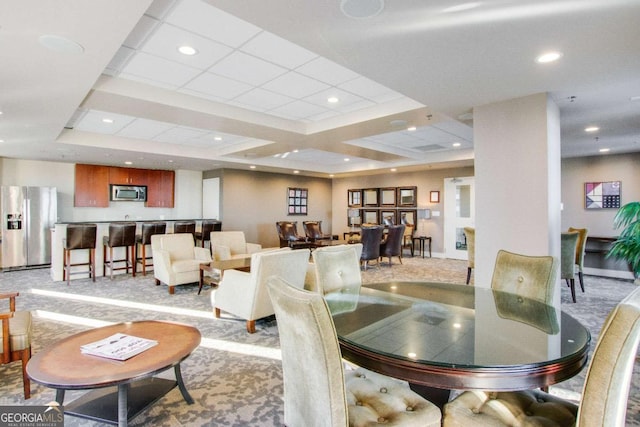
<point x="245" y="294"/>
<point x="176" y="259"/>
<point x="231" y="244"/>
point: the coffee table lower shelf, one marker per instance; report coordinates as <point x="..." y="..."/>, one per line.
<point x="102" y="404"/>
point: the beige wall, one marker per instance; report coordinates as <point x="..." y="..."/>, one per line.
<point x="426" y="181"/>
<point x="577" y="171"/>
<point x="254" y="201"/>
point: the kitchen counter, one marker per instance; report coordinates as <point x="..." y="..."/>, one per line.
<point x="59" y="232"/>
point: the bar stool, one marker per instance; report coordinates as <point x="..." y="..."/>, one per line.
<point x="185" y="227"/>
<point x="120" y="235"/>
<point x="144" y="239"/>
<point x="79" y="236"/>
<point x="208" y="225"/>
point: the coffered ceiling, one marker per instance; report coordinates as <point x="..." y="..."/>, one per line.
<point x="105" y="82"/>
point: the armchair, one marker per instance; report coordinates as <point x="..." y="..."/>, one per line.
<point x="245" y="295"/>
<point x="176" y="259"/>
<point x="288" y="235"/>
<point x="231" y="244"/>
<point x="16" y="338"/>
<point x="313" y="231"/>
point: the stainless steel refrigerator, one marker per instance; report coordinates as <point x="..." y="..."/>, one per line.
<point x="28" y="214"/>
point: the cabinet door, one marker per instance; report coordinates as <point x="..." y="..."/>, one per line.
<point x="92" y="186"/>
<point x="127" y="176"/>
<point x="160" y="189"/>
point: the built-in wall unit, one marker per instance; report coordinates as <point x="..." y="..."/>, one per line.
<point x="253" y="201"/>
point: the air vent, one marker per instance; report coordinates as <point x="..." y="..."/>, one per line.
<point x="431" y="147"/>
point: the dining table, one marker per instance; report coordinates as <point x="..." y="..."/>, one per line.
<point x="441" y="337"/>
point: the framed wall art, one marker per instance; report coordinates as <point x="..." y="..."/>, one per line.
<point x="297" y="200"/>
<point x="602" y="195"/>
<point x="370" y="197"/>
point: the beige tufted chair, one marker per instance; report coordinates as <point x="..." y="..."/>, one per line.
<point x="16" y="338"/>
<point x="470" y="234"/>
<point x="582" y="242"/>
<point x="568" y="244"/>
<point x="530" y="276"/>
<point x="315" y="390"/>
<point x="604" y="395"/>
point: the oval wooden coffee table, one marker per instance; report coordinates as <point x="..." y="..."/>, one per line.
<point x="123" y="388"/>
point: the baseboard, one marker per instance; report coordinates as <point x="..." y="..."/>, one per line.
<point x="616" y="274"/>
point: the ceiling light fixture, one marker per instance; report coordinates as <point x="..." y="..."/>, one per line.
<point x="296" y="171"/>
<point x="393" y="169"/>
<point x="346" y="159"/>
<point x="106" y="120"/>
<point x="332" y="99"/>
<point x="604" y="150"/>
<point x="411" y="128"/>
<point x="456" y="144"/>
<point x="217" y="138"/>
<point x="591" y="129"/>
<point x="361" y="9"/>
<point x="252" y="167"/>
<point x="60" y="44"/>
<point x="548" y="57"/>
<point x="128" y="163"/>
<point x="187" y="50"/>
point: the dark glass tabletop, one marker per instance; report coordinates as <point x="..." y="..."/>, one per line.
<point x="458" y="336"/>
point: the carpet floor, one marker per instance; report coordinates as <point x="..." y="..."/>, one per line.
<point x="234" y="377"/>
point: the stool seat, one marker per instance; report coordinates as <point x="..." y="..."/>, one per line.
<point x="144" y="239"/>
<point x="120" y="235"/>
<point x="79" y="237"/>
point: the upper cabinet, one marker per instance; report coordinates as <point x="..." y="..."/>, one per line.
<point x="92" y="186"/>
<point x="127" y="176"/>
<point x="160" y="188"/>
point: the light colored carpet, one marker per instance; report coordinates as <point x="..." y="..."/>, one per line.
<point x="234" y="377"/>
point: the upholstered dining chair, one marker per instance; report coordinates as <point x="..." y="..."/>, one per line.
<point x="568" y="244"/>
<point x="580" y="248"/>
<point x="316" y="392"/>
<point x="16" y="338"/>
<point x="604" y="394"/>
<point x="370" y="237"/>
<point x="470" y="234"/>
<point x="530" y="276"/>
<point x="392" y="244"/>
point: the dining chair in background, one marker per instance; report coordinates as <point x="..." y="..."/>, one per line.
<point x="580" y="249"/>
<point x="370" y="237"/>
<point x="392" y="244"/>
<point x="316" y="390"/>
<point x="568" y="244"/>
<point x="529" y="276"/>
<point x="470" y="235"/>
<point x="604" y="395"/>
<point x="16" y="338"/>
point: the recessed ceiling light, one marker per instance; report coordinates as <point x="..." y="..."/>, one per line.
<point x="412" y="355"/>
<point x="604" y="150"/>
<point x="105" y="120"/>
<point x="331" y="175"/>
<point x="461" y="7"/>
<point x="456" y="144"/>
<point x="128" y="163"/>
<point x="60" y="44"/>
<point x="1" y="113"/>
<point x="296" y="171"/>
<point x="1" y="140"/>
<point x="332" y="99"/>
<point x="361" y="9"/>
<point x="252" y="167"/>
<point x="411" y="128"/>
<point x="592" y="129"/>
<point x="170" y="161"/>
<point x="548" y="57"/>
<point x="393" y="169"/>
<point x="295" y="151"/>
<point x="217" y="138"/>
<point x="187" y="50"/>
<point x="347" y="159"/>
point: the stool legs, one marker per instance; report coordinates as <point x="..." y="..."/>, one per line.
<point x="66" y="271"/>
<point x="129" y="260"/>
<point x="142" y="258"/>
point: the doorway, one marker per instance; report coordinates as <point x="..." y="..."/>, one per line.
<point x="459" y="212"/>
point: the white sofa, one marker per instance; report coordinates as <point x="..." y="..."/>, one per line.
<point x="176" y="259"/>
<point x="231" y="244"/>
<point x="245" y="295"/>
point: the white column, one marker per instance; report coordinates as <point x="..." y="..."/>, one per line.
<point x="517" y="169"/>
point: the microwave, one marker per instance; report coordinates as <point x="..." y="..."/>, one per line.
<point x="132" y="193"/>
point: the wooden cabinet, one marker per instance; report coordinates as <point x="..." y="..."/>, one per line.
<point x="160" y="188"/>
<point x="92" y="186"/>
<point x="127" y="176"/>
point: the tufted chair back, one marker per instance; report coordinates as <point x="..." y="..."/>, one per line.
<point x="604" y="395"/>
<point x="470" y="234"/>
<point x="370" y="237"/>
<point x="337" y="271"/>
<point x="315" y="392"/>
<point x="530" y="276"/>
<point x="392" y="246"/>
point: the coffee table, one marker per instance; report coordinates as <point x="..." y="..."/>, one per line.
<point x="243" y="263"/>
<point x="119" y="390"/>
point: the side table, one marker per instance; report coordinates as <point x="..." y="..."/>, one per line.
<point x="421" y="240"/>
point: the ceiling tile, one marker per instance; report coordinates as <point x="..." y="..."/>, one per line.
<point x="298" y="110"/>
<point x="217" y="86"/>
<point x="263" y="100"/>
<point x="167" y="39"/>
<point x="327" y="71"/>
<point x="272" y="48"/>
<point x="295" y="85"/>
<point x="160" y="69"/>
<point x="144" y="129"/>
<point x="369" y="89"/>
<point x="92" y="121"/>
<point x="199" y="17"/>
<point x="179" y="135"/>
<point x="247" y="68"/>
<point x="344" y="98"/>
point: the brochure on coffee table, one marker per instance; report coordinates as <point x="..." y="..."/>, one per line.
<point x="118" y="346"/>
